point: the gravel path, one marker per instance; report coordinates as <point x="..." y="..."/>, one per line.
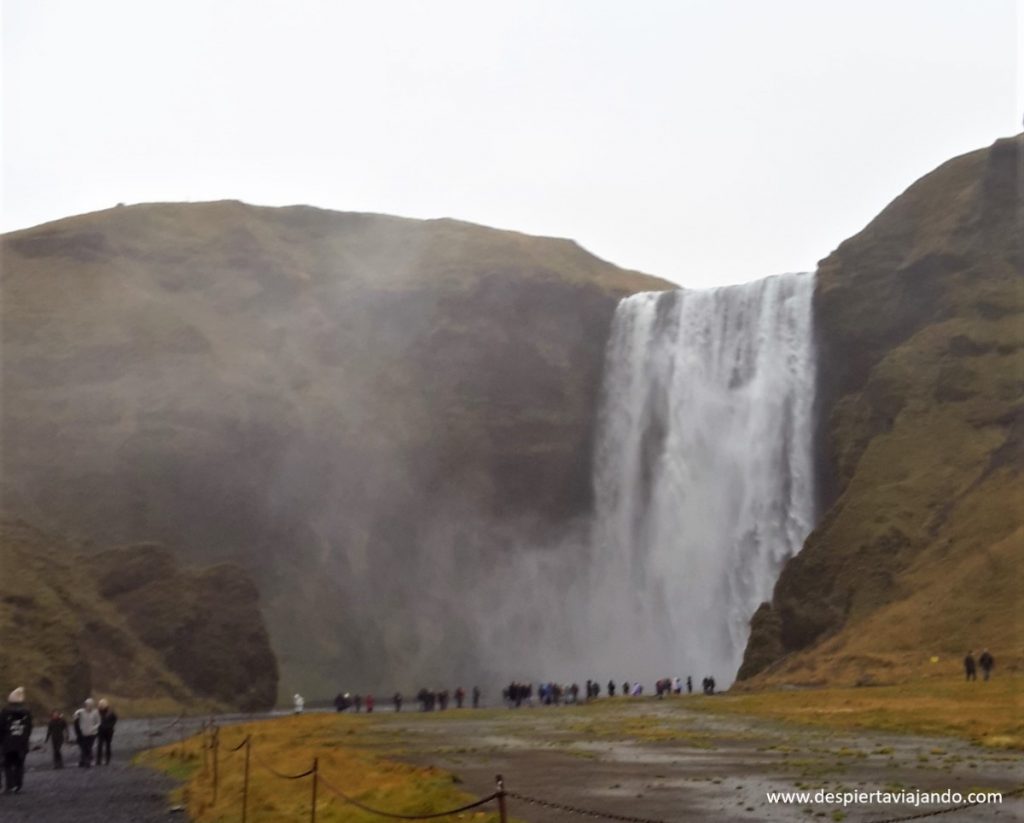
<point x="118" y="793"/>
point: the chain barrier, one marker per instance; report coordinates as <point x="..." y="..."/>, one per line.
<point x="397" y="816"/>
<point x="948" y="809"/>
<point x="564" y="807"/>
<point x="278" y="774"/>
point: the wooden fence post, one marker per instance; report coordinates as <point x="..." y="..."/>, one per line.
<point x="216" y="749"/>
<point x="316" y="769"/>
<point x="245" y="781"/>
<point x="502" y="810"/>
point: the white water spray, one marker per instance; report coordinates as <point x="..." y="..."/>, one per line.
<point x="703" y="472"/>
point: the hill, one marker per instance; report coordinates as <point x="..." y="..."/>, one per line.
<point x="364" y="412"/>
<point x="129" y="624"/>
<point x="920" y="551"/>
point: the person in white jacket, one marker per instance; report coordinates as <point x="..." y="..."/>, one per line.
<point x="87" y="726"/>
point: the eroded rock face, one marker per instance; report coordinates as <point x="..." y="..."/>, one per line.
<point x="130" y="624"/>
<point x="919" y="319"/>
<point x="315" y="396"/>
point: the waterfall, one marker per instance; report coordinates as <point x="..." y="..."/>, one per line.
<point x="703" y="471"/>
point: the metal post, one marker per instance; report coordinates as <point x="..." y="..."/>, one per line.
<point x="316" y="769"/>
<point x="502" y="810"/>
<point x="245" y="781"/>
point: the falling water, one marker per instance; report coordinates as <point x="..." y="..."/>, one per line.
<point x="703" y="471"/>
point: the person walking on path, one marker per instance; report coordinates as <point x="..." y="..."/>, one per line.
<point x="87" y="726"/>
<point x="108" y="719"/>
<point x="57" y="736"/>
<point x="986" y="661"/>
<point x="15" y="732"/>
<point x="969" y="668"/>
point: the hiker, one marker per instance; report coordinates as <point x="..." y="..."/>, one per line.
<point x="986" y="662"/>
<point x="611" y="688"/>
<point x="369" y="704"/>
<point x="15" y="731"/>
<point x="476" y="697"/>
<point x="460" y="696"/>
<point x="972" y="673"/>
<point x="108" y="719"/>
<point x="87" y="726"/>
<point x="57" y="736"/>
<point x="397" y="700"/>
<point x="689" y="685"/>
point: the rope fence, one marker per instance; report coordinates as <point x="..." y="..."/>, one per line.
<point x="210" y="743"/>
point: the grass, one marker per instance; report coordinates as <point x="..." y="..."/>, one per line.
<point x="349" y="757"/>
<point x="990" y="714"/>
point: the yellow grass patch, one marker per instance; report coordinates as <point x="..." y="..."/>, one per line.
<point x="342" y="746"/>
<point x="991" y="714"/>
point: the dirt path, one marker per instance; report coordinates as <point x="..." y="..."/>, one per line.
<point x="658" y="759"/>
<point x="118" y="793"/>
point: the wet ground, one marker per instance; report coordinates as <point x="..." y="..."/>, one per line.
<point x="660" y="760"/>
<point x="647" y="758"/>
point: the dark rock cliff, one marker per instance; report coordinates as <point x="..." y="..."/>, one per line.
<point x="921" y="345"/>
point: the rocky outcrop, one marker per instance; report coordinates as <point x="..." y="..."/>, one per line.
<point x="130" y="624"/>
<point x="919" y="321"/>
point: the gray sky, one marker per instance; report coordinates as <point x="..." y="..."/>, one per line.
<point x="707" y="142"/>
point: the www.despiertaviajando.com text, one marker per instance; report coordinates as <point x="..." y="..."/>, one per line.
<point x="904" y="797"/>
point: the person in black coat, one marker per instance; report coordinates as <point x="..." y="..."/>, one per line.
<point x="986" y="661"/>
<point x="57" y="736"/>
<point x="15" y="732"/>
<point x="108" y="719"/>
<point x="969" y="668"/>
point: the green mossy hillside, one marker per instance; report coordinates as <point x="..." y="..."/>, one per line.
<point x="920" y="552"/>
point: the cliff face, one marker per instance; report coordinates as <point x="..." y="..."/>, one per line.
<point x="312" y="395"/>
<point x="130" y="624"/>
<point x="921" y="343"/>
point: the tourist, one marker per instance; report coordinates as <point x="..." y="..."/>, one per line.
<point x="357" y="701"/>
<point x="15" y="732"/>
<point x="969" y="668"/>
<point x="299" y="703"/>
<point x="611" y="688"/>
<point x="87" y="726"/>
<point x="625" y="689"/>
<point x="57" y="736"/>
<point x="689" y="685"/>
<point x="397" y="700"/>
<point x="369" y="704"/>
<point x="476" y="697"/>
<point x="108" y="719"/>
<point x="986" y="661"/>
<point x="460" y="696"/>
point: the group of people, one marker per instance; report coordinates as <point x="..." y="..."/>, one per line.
<point x="428" y="700"/>
<point x="985" y="662"/>
<point x="93" y="726"/>
<point x="556" y="694"/>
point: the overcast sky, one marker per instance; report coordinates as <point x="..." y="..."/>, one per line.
<point x="707" y="142"/>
